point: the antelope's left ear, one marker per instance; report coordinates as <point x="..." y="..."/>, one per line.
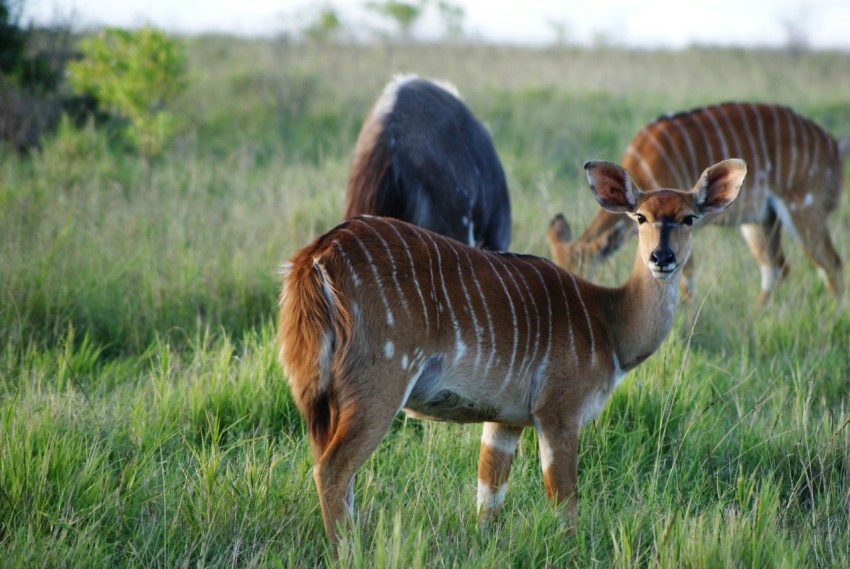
<point x="719" y="185"/>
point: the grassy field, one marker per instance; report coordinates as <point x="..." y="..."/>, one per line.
<point x="144" y="420"/>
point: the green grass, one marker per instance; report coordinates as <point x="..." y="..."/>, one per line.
<point x="144" y="420"/>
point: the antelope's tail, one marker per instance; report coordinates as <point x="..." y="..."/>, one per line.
<point x="314" y="327"/>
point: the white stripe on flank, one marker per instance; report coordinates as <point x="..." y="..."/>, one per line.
<point x="816" y="142"/>
<point x="804" y="144"/>
<point x="433" y="289"/>
<point x="778" y="186"/>
<point x="460" y="347"/>
<point x="522" y="301"/>
<point x="632" y="151"/>
<point x="513" y="319"/>
<point x="683" y="180"/>
<point x="375" y="274"/>
<point x="490" y="328"/>
<point x="792" y="137"/>
<point x="567" y="320"/>
<point x="752" y="154"/>
<point x="469" y="306"/>
<point x="705" y="140"/>
<point x="355" y="277"/>
<point x="732" y="132"/>
<point x="724" y="147"/>
<point x="763" y="173"/>
<point x="413" y="273"/>
<point x="668" y="163"/>
<point x="766" y="162"/>
<point x="549" y="306"/>
<point x="391" y="258"/>
<point x="589" y="325"/>
<point x="686" y="137"/>
<point x="525" y="369"/>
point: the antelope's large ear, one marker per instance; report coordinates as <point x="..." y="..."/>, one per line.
<point x="719" y="185"/>
<point x="611" y="186"/>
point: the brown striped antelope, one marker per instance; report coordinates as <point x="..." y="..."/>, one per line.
<point x="795" y="182"/>
<point x="423" y="157"/>
<point x="379" y="315"/>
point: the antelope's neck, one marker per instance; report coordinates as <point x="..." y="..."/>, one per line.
<point x="641" y="314"/>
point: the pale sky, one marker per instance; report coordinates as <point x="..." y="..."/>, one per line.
<point x="643" y="23"/>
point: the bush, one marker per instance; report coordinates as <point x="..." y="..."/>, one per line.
<point x="136" y="74"/>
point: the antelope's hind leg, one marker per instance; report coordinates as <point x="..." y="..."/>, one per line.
<point x="498" y="445"/>
<point x="765" y="242"/>
<point x="361" y="426"/>
<point x="817" y="244"/>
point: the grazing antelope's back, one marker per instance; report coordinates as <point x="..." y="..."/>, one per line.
<point x="379" y="315"/>
<point x="795" y="179"/>
<point x="423" y="157"/>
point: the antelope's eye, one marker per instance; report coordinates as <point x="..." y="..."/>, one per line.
<point x="641" y="219"/>
<point x="689" y="220"/>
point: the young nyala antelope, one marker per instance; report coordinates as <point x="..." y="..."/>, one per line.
<point x="378" y="315"/>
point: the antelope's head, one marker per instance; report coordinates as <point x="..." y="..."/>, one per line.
<point x="665" y="217"/>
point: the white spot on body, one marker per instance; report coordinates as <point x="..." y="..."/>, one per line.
<point x="808" y="200"/>
<point x="404" y="361"/>
<point x="389" y="348"/>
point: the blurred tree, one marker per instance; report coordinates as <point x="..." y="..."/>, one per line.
<point x="135" y="74"/>
<point x="326" y="26"/>
<point x="404" y="14"/>
<point x="453" y="17"/>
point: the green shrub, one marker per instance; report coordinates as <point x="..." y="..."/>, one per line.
<point x="136" y="74"/>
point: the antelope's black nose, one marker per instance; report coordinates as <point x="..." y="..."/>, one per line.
<point x="662" y="257"/>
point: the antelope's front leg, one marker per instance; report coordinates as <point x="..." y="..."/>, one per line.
<point x="558" y="442"/>
<point x="498" y="444"/>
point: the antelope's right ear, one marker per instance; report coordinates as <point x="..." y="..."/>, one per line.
<point x="611" y="186"/>
<point x="719" y="185"/>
